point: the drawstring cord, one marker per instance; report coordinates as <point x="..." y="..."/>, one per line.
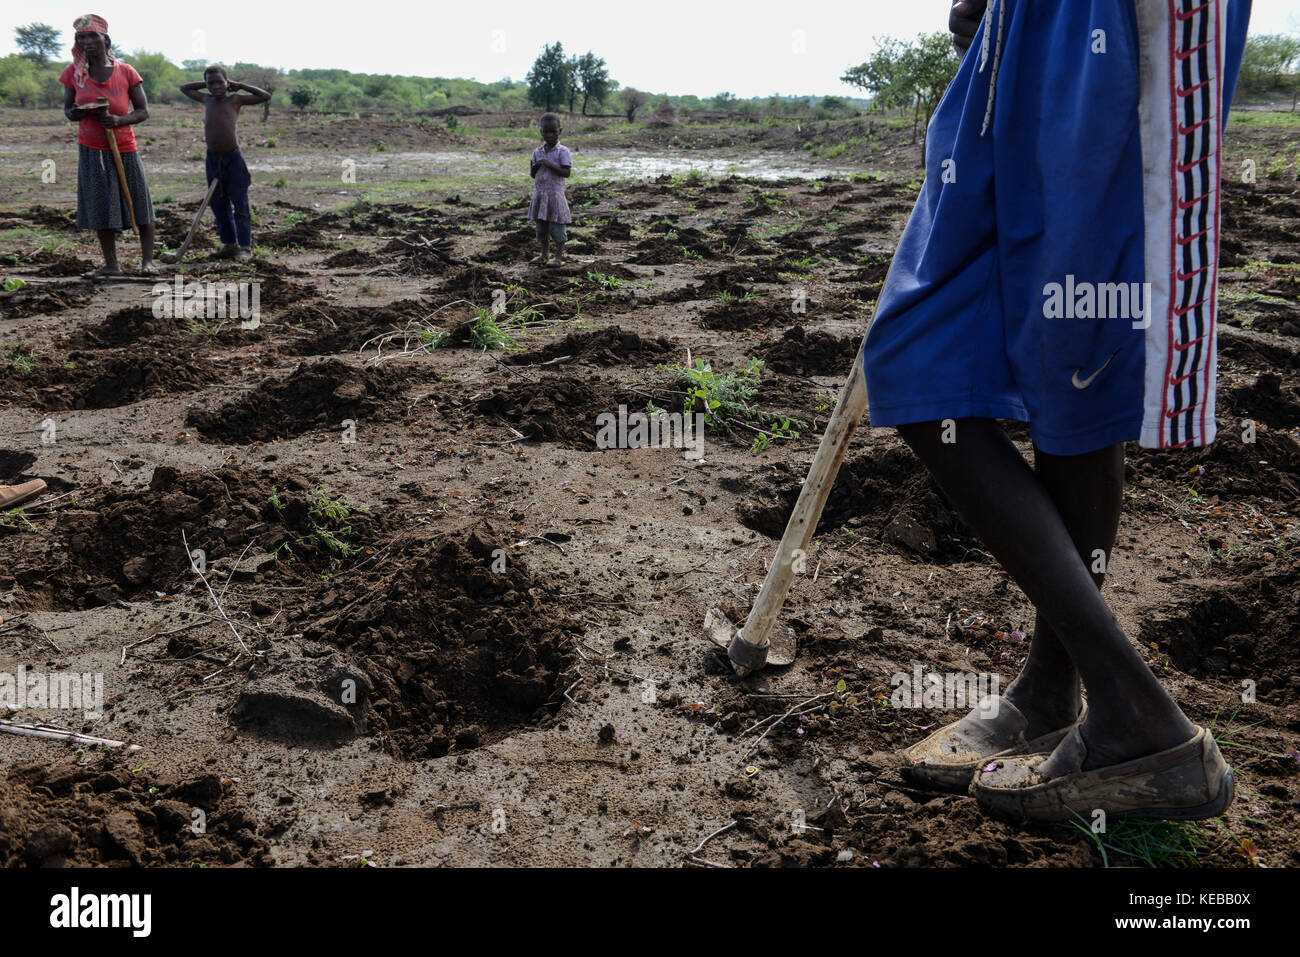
<point x="1001" y="7"/>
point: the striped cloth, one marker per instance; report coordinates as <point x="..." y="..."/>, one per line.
<point x="100" y="203"/>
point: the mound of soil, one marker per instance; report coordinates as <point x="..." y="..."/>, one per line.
<point x="41" y="300"/>
<point x="66" y="815"/>
<point x="555" y="409"/>
<point x="474" y="283"/>
<point x="108" y="379"/>
<point x="1266" y="401"/>
<point x="607" y="268"/>
<point x="277" y="293"/>
<point x="48" y="217"/>
<point x="609" y="346"/>
<point x="614" y="230"/>
<point x="811" y="353"/>
<point x="303" y="236"/>
<point x="747" y="314"/>
<point x="662" y="251"/>
<point x="125" y="326"/>
<point x="888" y="495"/>
<point x="125" y="542"/>
<point x="518" y="245"/>
<point x="350" y="259"/>
<point x="314" y="396"/>
<point x="333" y="329"/>
<point x="462" y="645"/>
<point x="1270" y="468"/>
<point x="872" y="273"/>
<point x="1244" y="628"/>
<point x="46" y="264"/>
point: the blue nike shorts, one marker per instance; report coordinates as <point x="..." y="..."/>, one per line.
<point x="1060" y="265"/>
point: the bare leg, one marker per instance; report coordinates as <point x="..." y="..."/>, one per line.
<point x="108" y="245"/>
<point x="1130" y="714"/>
<point x="146" y="248"/>
<point x="1087" y="491"/>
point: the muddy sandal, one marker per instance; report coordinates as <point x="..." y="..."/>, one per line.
<point x="949" y="758"/>
<point x="1188" y="782"/>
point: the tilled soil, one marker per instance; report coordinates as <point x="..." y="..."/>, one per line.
<point x="425" y="619"/>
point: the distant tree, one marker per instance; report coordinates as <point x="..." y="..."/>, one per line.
<point x="38" y="41"/>
<point x="19" y="81"/>
<point x="194" y="66"/>
<point x="303" y="95"/>
<point x="1269" y="62"/>
<point x="159" y="76"/>
<point x="264" y="77"/>
<point x="548" y="80"/>
<point x="724" y="102"/>
<point x="633" y="100"/>
<point x="830" y="105"/>
<point x="902" y="74"/>
<point x="593" y="80"/>
<point x="572" y="84"/>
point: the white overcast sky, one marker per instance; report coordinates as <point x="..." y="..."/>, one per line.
<point x="751" y="49"/>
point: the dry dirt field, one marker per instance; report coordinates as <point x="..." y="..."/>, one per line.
<point x="470" y="636"/>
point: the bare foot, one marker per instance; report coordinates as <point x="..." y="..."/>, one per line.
<point x="108" y="269"/>
<point x="148" y="268"/>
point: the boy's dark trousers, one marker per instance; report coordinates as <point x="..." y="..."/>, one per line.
<point x="230" y="201"/>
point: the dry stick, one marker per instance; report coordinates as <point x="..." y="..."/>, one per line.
<point x="782" y="718"/>
<point x="215" y="601"/>
<point x="235" y="566"/>
<point x="180" y="253"/>
<point x="720" y="830"/>
<point x="53" y="733"/>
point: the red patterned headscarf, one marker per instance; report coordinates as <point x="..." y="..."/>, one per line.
<point x="88" y="23"/>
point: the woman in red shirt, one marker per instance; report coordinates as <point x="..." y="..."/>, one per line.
<point x="94" y="73"/>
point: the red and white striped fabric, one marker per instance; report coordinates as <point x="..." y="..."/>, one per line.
<point x="1182" y="117"/>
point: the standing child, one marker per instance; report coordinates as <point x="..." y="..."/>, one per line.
<point x="225" y="163"/>
<point x="551" y="166"/>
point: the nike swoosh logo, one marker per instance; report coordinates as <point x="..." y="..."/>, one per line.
<point x="1084" y="383"/>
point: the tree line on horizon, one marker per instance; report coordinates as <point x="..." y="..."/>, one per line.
<point x="900" y="75"/>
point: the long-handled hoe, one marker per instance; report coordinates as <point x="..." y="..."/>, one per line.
<point x="756" y="644"/>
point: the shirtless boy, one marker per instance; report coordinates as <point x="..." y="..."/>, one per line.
<point x="224" y="161"/>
